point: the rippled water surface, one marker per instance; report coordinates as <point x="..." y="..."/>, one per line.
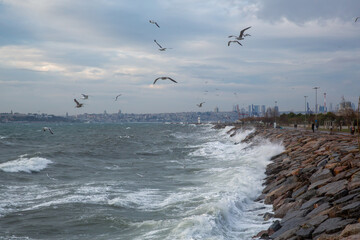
<point x="130" y="181"/>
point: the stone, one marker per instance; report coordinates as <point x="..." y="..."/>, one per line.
<point x="351" y="229"/>
<point x="293" y="223"/>
<point x="319" y="209"/>
<point x="310" y="204"/>
<point x="305" y="231"/>
<point x="345" y="199"/>
<point x="299" y="191"/>
<point x="280" y="213"/>
<point x="339" y="169"/>
<point x="320" y="175"/>
<point x="333" y="188"/>
<point x="267" y="216"/>
<point x="275" y="226"/>
<point x="320" y="183"/>
<point x="287" y="235"/>
<point x="316" y="221"/>
<point x="331" y="225"/>
<point x="352" y="237"/>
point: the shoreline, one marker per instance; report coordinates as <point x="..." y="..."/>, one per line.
<point x="313" y="186"/>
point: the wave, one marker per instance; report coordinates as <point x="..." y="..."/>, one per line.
<point x="23" y="164"/>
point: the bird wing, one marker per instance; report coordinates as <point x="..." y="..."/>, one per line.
<point x="238" y="42"/>
<point x="50" y="131"/>
<point x="117" y="97"/>
<point x="232" y="36"/>
<point x="156" y="80"/>
<point x="229" y="43"/>
<point x="76" y="101"/>
<point x="172" y="80"/>
<point x="356" y="19"/>
<point x="242" y="31"/>
<point x="157" y="25"/>
<point x="158" y="44"/>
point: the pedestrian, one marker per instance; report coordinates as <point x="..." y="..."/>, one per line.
<point x="313" y="127"/>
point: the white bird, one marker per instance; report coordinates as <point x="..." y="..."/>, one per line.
<point x="164" y="78"/>
<point x="234" y="42"/>
<point x="241" y="35"/>
<point x="153" y="22"/>
<point x="78" y="105"/>
<point x="117" y="97"/>
<point x="200" y="104"/>
<point x="47" y="129"/>
<point x="160" y="47"/>
<point x="85" y="96"/>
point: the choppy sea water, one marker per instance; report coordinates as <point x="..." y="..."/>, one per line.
<point x="130" y="181"/>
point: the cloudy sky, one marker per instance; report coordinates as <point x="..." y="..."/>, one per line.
<point x="52" y="51"/>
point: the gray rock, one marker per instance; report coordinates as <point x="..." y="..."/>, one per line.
<point x="316" y="221"/>
<point x="275" y="226"/>
<point x="299" y="191"/>
<point x="305" y="231"/>
<point x="333" y="188"/>
<point x="310" y="204"/>
<point x="332" y="225"/>
<point x="320" y="175"/>
<point x="345" y="199"/>
<point x="319" y="209"/>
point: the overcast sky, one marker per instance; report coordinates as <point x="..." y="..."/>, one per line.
<point x="53" y="51"/>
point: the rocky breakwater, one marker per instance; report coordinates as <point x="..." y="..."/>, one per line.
<point x="314" y="186"/>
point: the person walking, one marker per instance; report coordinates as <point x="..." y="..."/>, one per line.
<point x="313" y="127"/>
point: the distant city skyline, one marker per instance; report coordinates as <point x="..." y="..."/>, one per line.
<point x="52" y="52"/>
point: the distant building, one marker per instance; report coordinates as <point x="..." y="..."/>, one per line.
<point x="216" y="109"/>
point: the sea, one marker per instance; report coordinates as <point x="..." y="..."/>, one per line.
<point x="131" y="181"/>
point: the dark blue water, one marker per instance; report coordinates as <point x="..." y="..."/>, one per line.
<point x="130" y="181"/>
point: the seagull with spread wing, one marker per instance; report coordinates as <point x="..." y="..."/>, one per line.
<point x="48" y="129"/>
<point x="116" y="98"/>
<point x="160" y="47"/>
<point x="241" y="35"/>
<point x="200" y="104"/>
<point x="78" y="105"/>
<point x="84" y="96"/>
<point x="164" y="78"/>
<point x="153" y="22"/>
<point x="234" y="42"/>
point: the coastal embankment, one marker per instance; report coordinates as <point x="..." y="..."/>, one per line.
<point x="314" y="185"/>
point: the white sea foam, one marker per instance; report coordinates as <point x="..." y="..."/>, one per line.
<point x="23" y="164"/>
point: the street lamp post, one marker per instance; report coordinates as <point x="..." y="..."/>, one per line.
<point x="316" y="88"/>
<point x="275" y="114"/>
<point x="305" y="111"/>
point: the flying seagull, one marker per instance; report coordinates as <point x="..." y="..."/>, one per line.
<point x="160" y="47"/>
<point x="85" y="96"/>
<point x="153" y="22"/>
<point x="234" y="42"/>
<point x="117" y="97"/>
<point x="200" y="104"/>
<point x="78" y="105"/>
<point x="356" y="18"/>
<point x="241" y="36"/>
<point x="164" y="78"/>
<point x="47" y="129"/>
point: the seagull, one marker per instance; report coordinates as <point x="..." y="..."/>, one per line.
<point x="84" y="96"/>
<point x="200" y="104"/>
<point x="47" y="129"/>
<point x="78" y="105"/>
<point x="241" y="36"/>
<point x="356" y="18"/>
<point x="234" y="42"/>
<point x="164" y="78"/>
<point x="153" y="22"/>
<point x="117" y="97"/>
<point x="161" y="48"/>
